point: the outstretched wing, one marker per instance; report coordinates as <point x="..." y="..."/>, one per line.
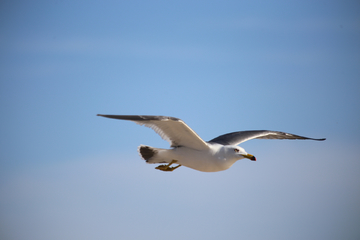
<point x="171" y="129"/>
<point x="236" y="138"/>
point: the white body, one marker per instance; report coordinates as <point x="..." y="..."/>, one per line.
<point x="217" y="158"/>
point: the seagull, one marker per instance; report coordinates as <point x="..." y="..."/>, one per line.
<point x="188" y="149"/>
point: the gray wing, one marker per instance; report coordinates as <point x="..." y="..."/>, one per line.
<point x="236" y="138"/>
<point x="171" y="129"/>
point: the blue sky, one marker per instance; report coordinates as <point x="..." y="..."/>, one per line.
<point x="221" y="66"/>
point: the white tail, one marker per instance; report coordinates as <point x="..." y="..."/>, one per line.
<point x="151" y="154"/>
<point x="147" y="152"/>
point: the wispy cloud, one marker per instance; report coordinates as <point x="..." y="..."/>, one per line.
<point x="290" y="25"/>
<point x="115" y="47"/>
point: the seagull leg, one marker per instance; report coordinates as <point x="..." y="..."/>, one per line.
<point x="167" y="168"/>
<point x="170" y="169"/>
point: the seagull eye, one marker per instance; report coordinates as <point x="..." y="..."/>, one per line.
<point x="236" y="150"/>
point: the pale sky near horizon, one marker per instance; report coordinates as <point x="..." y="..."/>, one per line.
<point x="221" y="66"/>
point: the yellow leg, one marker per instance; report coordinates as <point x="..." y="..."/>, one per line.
<point x="167" y="168"/>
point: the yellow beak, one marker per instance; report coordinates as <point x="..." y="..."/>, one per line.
<point x="251" y="157"/>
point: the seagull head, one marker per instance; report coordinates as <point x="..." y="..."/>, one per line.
<point x="241" y="153"/>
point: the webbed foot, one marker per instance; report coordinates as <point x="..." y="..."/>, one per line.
<point x="167" y="167"/>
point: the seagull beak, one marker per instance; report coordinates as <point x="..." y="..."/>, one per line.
<point x="249" y="156"/>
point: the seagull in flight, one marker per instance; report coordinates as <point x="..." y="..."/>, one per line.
<point x="188" y="149"/>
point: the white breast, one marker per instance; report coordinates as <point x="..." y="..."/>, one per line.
<point x="212" y="160"/>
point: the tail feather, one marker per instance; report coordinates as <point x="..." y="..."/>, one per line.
<point x="147" y="152"/>
<point x="151" y="154"/>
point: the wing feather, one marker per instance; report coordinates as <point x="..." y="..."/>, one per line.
<point x="236" y="138"/>
<point x="171" y="129"/>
